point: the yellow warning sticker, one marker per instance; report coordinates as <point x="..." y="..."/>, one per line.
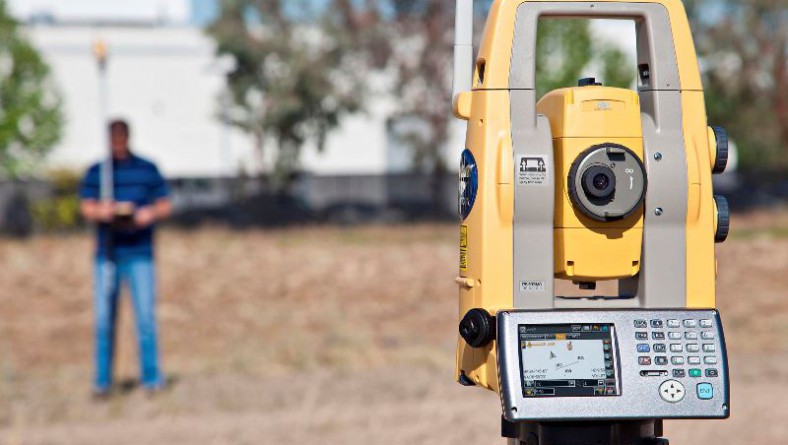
<point x="463" y="248"/>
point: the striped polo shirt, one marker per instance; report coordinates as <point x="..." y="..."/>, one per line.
<point x="136" y="180"/>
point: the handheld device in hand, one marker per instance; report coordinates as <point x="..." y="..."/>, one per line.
<point x="587" y="263"/>
<point x="124" y="215"/>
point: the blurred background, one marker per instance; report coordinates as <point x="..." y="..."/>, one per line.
<point x="306" y="280"/>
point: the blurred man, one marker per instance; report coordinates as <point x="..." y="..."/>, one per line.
<point x="124" y="253"/>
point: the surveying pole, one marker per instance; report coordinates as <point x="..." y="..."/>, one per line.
<point x="106" y="185"/>
<point x="589" y="185"/>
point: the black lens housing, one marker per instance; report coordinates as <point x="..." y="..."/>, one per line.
<point x="599" y="182"/>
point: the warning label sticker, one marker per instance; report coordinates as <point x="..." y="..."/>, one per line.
<point x="532" y="286"/>
<point x="463" y="248"/>
<point x="532" y="170"/>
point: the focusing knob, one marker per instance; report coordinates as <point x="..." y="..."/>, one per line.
<point x="477" y="328"/>
<point x="721" y="160"/>
<point x="723" y="219"/>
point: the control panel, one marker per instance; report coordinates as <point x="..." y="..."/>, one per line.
<point x="647" y="364"/>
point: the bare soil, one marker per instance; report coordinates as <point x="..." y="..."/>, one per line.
<point x="342" y="336"/>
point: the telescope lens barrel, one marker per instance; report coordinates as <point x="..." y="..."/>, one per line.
<point x="599" y="182"/>
<point x="607" y="182"/>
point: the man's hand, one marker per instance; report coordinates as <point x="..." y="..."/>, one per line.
<point x="149" y="215"/>
<point x="145" y="217"/>
<point x="98" y="211"/>
<point x="105" y="211"/>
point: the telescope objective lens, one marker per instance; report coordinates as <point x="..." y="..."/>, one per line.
<point x="601" y="181"/>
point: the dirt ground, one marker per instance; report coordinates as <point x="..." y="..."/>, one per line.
<point x="338" y="336"/>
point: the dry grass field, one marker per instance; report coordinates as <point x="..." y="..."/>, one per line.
<point x="328" y="335"/>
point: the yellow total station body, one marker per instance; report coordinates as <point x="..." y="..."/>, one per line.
<point x="588" y="249"/>
<point x="543" y="207"/>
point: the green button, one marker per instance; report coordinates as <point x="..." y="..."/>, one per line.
<point x="694" y="372"/>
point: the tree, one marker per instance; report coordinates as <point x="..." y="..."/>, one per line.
<point x="566" y="49"/>
<point x="423" y="60"/>
<point x="743" y="46"/>
<point x="31" y="119"/>
<point x="293" y="77"/>
<point x="298" y="70"/>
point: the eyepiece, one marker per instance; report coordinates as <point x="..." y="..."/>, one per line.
<point x="599" y="182"/>
<point x="607" y="182"/>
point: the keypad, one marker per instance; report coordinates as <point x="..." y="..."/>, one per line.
<point x="675" y="343"/>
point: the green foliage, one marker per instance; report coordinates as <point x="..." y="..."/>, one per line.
<point x="56" y="214"/>
<point x="291" y="82"/>
<point x="30" y="108"/>
<point x="565" y="49"/>
<point x="743" y="46"/>
<point x="61" y="211"/>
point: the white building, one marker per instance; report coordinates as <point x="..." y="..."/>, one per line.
<point x="167" y="82"/>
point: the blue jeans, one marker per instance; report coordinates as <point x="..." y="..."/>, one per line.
<point x="139" y="273"/>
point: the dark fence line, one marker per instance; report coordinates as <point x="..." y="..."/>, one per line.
<point x="27" y="206"/>
<point x="351" y="199"/>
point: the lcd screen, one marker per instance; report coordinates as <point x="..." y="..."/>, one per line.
<point x="572" y="360"/>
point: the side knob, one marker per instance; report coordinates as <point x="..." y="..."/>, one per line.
<point x="723" y="219"/>
<point x="721" y="147"/>
<point x="477" y="328"/>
